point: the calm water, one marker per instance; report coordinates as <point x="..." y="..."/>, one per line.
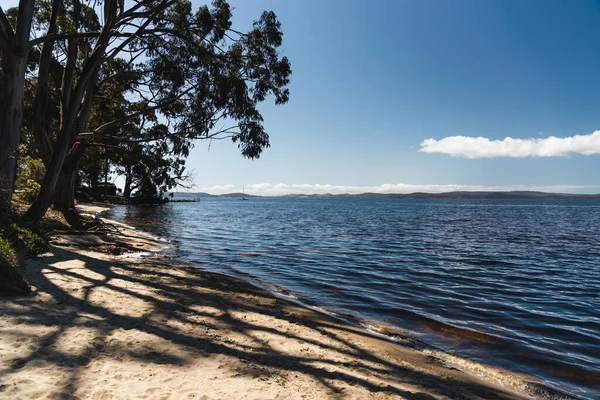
<point x="512" y="283"/>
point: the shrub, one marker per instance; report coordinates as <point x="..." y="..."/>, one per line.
<point x="33" y="242"/>
<point x="29" y="192"/>
<point x="20" y="238"/>
<point x="11" y="282"/>
<point x="7" y="254"/>
<point x="16" y="239"/>
<point x="30" y="173"/>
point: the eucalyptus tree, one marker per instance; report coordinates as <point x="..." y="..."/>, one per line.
<point x="17" y="38"/>
<point x="157" y="162"/>
<point x="14" y="52"/>
<point x="186" y="75"/>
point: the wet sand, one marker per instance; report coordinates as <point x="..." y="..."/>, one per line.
<point x="104" y="326"/>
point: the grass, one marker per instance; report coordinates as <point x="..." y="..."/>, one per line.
<point x="7" y="253"/>
<point x="17" y="241"/>
<point x="34" y="243"/>
<point x="17" y="238"/>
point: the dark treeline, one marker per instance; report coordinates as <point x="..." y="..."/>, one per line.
<point x="89" y="89"/>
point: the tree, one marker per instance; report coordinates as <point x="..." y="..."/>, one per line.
<point x="77" y="95"/>
<point x="154" y="162"/>
<point x="186" y="75"/>
<point x="14" y="51"/>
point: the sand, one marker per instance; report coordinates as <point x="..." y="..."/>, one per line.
<point x="106" y="326"/>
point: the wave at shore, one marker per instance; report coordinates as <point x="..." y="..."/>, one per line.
<point x="513" y="381"/>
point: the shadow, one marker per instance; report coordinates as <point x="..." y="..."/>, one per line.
<point x="159" y="315"/>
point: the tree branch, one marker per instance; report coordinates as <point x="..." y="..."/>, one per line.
<point x="135" y="114"/>
<point x="130" y="14"/>
<point x="107" y="146"/>
<point x="62" y="36"/>
<point x="24" y="18"/>
<point x="152" y="13"/>
<point x="40" y="104"/>
<point x="6" y="32"/>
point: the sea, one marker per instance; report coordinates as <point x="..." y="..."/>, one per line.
<point x="513" y="284"/>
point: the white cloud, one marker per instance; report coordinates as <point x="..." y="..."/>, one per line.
<point x="480" y="147"/>
<point x="217" y="189"/>
<point x="277" y="189"/>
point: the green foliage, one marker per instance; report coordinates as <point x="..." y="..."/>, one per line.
<point x="11" y="15"/>
<point x="148" y="192"/>
<point x="15" y="237"/>
<point x="65" y="24"/>
<point x="11" y="281"/>
<point x="182" y="73"/>
<point x="30" y="191"/>
<point x="33" y="242"/>
<point x="7" y="253"/>
<point x="30" y="173"/>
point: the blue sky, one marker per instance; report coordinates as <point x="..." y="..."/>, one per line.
<point x="395" y="93"/>
<point x="373" y="79"/>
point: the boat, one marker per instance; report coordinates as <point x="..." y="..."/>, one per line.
<point x="243" y="195"/>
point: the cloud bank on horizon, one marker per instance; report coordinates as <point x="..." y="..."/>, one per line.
<point x="278" y="189"/>
<point x="480" y="147"/>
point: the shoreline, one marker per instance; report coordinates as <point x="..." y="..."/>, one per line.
<point x="521" y="382"/>
<point x="107" y="326"/>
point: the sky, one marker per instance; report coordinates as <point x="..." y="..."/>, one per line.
<point x="400" y="96"/>
<point x="424" y="95"/>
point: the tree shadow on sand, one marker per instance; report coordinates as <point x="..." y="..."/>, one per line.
<point x="181" y="315"/>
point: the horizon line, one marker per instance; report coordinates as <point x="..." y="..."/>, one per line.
<point x="281" y="189"/>
<point x="523" y="193"/>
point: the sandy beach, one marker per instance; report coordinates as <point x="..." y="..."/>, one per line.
<point x="101" y="325"/>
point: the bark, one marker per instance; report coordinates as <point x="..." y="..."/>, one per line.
<point x="128" y="181"/>
<point x="64" y="200"/>
<point x="44" y="199"/>
<point x="41" y="123"/>
<point x="10" y="124"/>
<point x="13" y="61"/>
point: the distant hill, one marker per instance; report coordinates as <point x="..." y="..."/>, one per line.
<point x="456" y="195"/>
<point x="193" y="195"/>
<point x="238" y="195"/>
<point x="189" y="195"/>
<point x="415" y="195"/>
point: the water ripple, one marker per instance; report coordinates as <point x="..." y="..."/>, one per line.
<point x="513" y="283"/>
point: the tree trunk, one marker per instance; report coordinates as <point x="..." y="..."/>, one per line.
<point x="44" y="199"/>
<point x="40" y="122"/>
<point x="14" y="49"/>
<point x="11" y="114"/>
<point x="70" y="114"/>
<point x="64" y="200"/>
<point x="128" y="181"/>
